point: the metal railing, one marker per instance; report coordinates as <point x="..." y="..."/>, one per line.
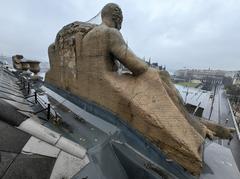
<point x="26" y="85"/>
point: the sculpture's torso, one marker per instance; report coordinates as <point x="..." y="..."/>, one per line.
<point x="143" y="101"/>
<point x="95" y="50"/>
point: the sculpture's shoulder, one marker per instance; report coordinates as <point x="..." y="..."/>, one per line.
<point x="113" y="32"/>
<point x="73" y="28"/>
<point x="103" y="29"/>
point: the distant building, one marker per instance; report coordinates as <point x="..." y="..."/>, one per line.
<point x="236" y="78"/>
<point x="204" y="75"/>
<point x="200" y="74"/>
<point x="230" y="73"/>
<point x="155" y="65"/>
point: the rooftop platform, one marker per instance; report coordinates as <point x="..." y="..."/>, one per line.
<point x="81" y="140"/>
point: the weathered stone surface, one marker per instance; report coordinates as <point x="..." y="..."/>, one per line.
<point x="16" y="59"/>
<point x="34" y="66"/>
<point x="82" y="61"/>
<point x="218" y="130"/>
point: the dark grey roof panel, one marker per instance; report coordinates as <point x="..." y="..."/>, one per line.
<point x="104" y="165"/>
<point x="12" y="98"/>
<point x="218" y="163"/>
<point x="136" y="166"/>
<point x="30" y="167"/>
<point x="6" y="159"/>
<point x="90" y="171"/>
<point x="11" y="138"/>
<point x="10" y="115"/>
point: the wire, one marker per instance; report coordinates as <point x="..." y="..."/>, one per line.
<point x="95" y="19"/>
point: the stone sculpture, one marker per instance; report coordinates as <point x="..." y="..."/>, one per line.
<point x="83" y="60"/>
<point x="34" y="66"/>
<point x="16" y="60"/>
<point x="25" y="65"/>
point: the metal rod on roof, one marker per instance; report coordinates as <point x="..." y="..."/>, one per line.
<point x="215" y="87"/>
<point x="48" y="111"/>
<point x="35" y="97"/>
<point x="196" y="108"/>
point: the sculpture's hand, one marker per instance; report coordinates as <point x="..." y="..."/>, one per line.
<point x="120" y="50"/>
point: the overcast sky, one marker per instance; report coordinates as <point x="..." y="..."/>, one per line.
<point x="177" y="33"/>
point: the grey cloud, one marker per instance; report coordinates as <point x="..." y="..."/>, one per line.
<point x="187" y="33"/>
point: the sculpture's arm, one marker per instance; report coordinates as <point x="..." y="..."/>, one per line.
<point x="220" y="131"/>
<point x="120" y="50"/>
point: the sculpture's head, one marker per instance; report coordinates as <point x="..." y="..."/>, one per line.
<point x="112" y="15"/>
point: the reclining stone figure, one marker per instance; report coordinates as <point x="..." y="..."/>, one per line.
<point x="82" y="61"/>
